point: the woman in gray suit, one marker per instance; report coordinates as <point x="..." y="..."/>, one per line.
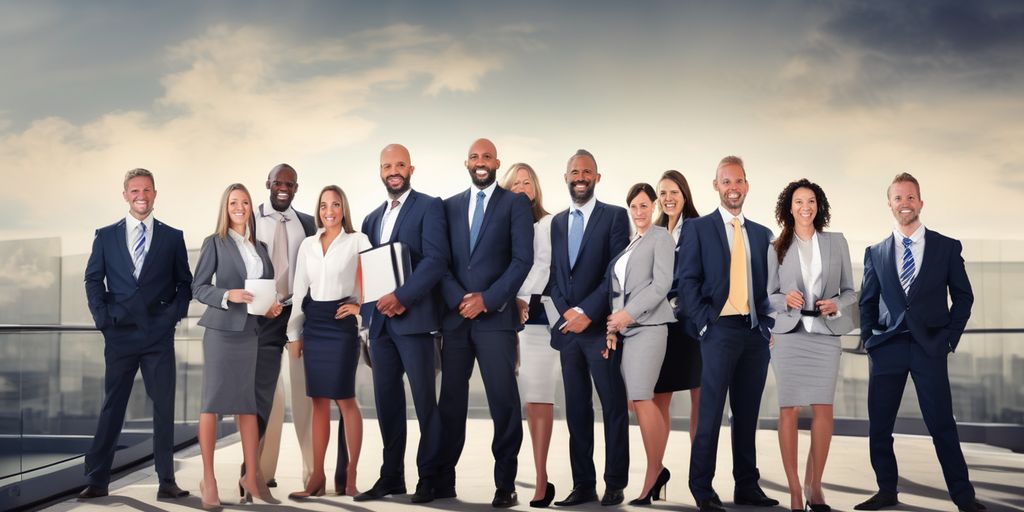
<point x="639" y="279"/>
<point x="227" y="258"/>
<point x="810" y="286"/>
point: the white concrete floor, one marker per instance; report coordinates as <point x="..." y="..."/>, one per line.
<point x="998" y="475"/>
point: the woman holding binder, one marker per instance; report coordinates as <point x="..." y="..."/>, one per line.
<point x="323" y="322"/>
<point x="538" y="372"/>
<point x="229" y="257"/>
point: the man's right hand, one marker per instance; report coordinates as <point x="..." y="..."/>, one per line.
<point x="575" y="322"/>
<point x="524" y="310"/>
<point x="240" y="296"/>
<point x="389" y="305"/>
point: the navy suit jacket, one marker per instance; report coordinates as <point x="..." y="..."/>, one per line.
<point x="130" y="309"/>
<point x="585" y="285"/>
<point x="703" y="270"/>
<point x="886" y="310"/>
<point x="498" y="264"/>
<point x="673" y="293"/>
<point x="421" y="227"/>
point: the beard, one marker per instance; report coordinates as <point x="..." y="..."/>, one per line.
<point x="581" y="197"/>
<point x="733" y="204"/>
<point x="486" y="180"/>
<point x="394" y="193"/>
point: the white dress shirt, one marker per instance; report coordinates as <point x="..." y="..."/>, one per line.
<point x="131" y="226"/>
<point x="622" y="263"/>
<point x="916" y="248"/>
<point x="586" y="208"/>
<point x="810" y="271"/>
<point x="537" y="279"/>
<point x="488" y="192"/>
<point x="251" y="258"/>
<point x="327" y="277"/>
<point x="266" y="226"/>
<point x="387" y="222"/>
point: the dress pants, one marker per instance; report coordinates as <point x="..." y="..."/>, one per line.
<point x="582" y="363"/>
<point x="412" y="354"/>
<point x="158" y="374"/>
<point x="889" y="365"/>
<point x="294" y="386"/>
<point x="735" y="358"/>
<point x="496" y="353"/>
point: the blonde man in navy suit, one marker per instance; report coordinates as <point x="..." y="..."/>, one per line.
<point x="138" y="285"/>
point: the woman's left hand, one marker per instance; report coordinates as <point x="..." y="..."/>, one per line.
<point x="827" y="307"/>
<point x="611" y="342"/>
<point x="619" y="321"/>
<point x="274" y="310"/>
<point x="345" y="310"/>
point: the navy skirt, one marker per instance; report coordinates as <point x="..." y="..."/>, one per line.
<point x="330" y="351"/>
<point x="682" y="365"/>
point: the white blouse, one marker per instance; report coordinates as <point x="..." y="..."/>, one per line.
<point x="251" y="258"/>
<point x="327" y="277"/>
<point x="810" y="272"/>
<point x="537" y="279"/>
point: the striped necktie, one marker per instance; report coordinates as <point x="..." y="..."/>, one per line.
<point x="907" y="270"/>
<point x="139" y="249"/>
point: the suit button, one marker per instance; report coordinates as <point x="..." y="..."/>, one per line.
<point x="908" y="307"/>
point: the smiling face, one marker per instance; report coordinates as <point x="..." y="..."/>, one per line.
<point x="582" y="178"/>
<point x="482" y="163"/>
<point x="670" y="198"/>
<point x="331" y="210"/>
<point x="641" y="210"/>
<point x="239" y="210"/>
<point x="396" y="169"/>
<point x="905" y="203"/>
<point x="140" y="194"/>
<point x="522" y="184"/>
<point x="804" y="207"/>
<point x="282" y="182"/>
<point x="731" y="185"/>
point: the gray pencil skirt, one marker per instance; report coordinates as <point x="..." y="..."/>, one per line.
<point x="229" y="370"/>
<point x="643" y="352"/>
<point x="805" y="366"/>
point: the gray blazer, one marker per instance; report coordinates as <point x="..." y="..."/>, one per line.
<point x="220" y="257"/>
<point x="648" y="279"/>
<point x="836" y="279"/>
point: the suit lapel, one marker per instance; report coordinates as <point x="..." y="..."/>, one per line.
<point x="888" y="266"/>
<point x="402" y="214"/>
<point x="723" y="240"/>
<point x="825" y="246"/>
<point x="376" y="223"/>
<point x="235" y="255"/>
<point x="595" y="220"/>
<point x="121" y="240"/>
<point x="155" y="248"/>
<point x="926" y="258"/>
<point x="488" y="213"/>
<point x="460" y="224"/>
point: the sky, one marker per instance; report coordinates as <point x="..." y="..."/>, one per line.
<point x="204" y="94"/>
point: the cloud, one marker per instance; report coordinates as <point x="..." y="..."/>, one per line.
<point x="20" y="271"/>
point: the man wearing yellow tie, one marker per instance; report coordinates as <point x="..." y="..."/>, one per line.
<point x="722" y="278"/>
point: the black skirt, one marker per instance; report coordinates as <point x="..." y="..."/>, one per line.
<point x="682" y="366"/>
<point x="330" y="351"/>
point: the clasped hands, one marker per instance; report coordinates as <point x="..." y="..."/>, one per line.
<point x="472" y="305"/>
<point x="240" y="296"/>
<point x="795" y="300"/>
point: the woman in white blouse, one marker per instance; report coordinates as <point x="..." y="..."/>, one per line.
<point x="324" y="324"/>
<point x="538" y="372"/>
<point x="227" y="258"/>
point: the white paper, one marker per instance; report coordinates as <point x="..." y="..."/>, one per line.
<point x="551" y="311"/>
<point x="379" y="271"/>
<point x="264" y="292"/>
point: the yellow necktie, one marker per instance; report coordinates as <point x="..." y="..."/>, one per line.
<point x="738" y="302"/>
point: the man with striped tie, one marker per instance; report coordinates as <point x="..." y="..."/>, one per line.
<point x="138" y="285"/>
<point x="909" y="327"/>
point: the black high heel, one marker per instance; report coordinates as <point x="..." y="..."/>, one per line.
<point x="820" y="507"/>
<point x="549" y="496"/>
<point x="655" y="494"/>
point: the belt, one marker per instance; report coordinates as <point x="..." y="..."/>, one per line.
<point x="813" y="312"/>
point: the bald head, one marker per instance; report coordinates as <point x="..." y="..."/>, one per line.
<point x="396" y="169"/>
<point x="282" y="182"/>
<point x="482" y="163"/>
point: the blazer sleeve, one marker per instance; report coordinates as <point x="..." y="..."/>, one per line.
<point x="776" y="297"/>
<point x="537" y="280"/>
<point x="95" y="287"/>
<point x="869" y="296"/>
<point x="505" y="287"/>
<point x="203" y="288"/>
<point x="961" y="294"/>
<point x="847" y="295"/>
<point x="595" y="305"/>
<point x="690" y="275"/>
<point x="647" y="298"/>
<point x="553" y="290"/>
<point x="434" y="264"/>
<point x="182" y="277"/>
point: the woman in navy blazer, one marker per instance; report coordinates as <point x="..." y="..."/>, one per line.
<point x="229" y="257"/>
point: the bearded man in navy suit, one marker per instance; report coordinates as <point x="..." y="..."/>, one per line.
<point x="138" y="286"/>
<point x="908" y="327"/>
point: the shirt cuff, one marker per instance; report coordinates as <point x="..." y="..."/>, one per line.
<point x="224" y="301"/>
<point x="579" y="310"/>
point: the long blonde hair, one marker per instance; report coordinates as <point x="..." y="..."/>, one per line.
<point x="537" y="205"/>
<point x="224" y="223"/>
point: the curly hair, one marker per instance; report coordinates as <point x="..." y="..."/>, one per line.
<point x="784" y="213"/>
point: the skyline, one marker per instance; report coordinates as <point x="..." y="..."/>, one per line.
<point x="847" y="94"/>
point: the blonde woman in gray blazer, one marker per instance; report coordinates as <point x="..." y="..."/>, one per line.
<point x="227" y="258"/>
<point x="810" y="287"/>
<point x="639" y="280"/>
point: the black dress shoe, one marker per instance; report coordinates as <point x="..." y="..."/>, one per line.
<point x="710" y="505"/>
<point x="753" y="496"/>
<point x="424" y="492"/>
<point x="446" y="492"/>
<point x="880" y="500"/>
<point x="549" y="496"/>
<point x="578" y="496"/>
<point x="170" y="490"/>
<point x="973" y="506"/>
<point x="504" y="499"/>
<point x="92" y="491"/>
<point x="612" y="497"/>
<point x="272" y="483"/>
<point x="380" y="490"/>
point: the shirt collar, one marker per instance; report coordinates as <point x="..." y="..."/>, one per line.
<point x="487" y="191"/>
<point x="239" y="238"/>
<point x="727" y="216"/>
<point x="916" y="237"/>
<point x="587" y="208"/>
<point x="401" y="199"/>
<point x="268" y="211"/>
<point x="131" y="223"/>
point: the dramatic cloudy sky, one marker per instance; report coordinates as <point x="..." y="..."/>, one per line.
<point x="209" y="93"/>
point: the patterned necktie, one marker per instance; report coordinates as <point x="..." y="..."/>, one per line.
<point x="139" y="249"/>
<point x="907" y="270"/>
<point x="280" y="257"/>
<point x="738" y="270"/>
<point x="575" y="236"/>
<point x="478" y="219"/>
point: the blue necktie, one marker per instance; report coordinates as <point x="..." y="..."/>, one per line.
<point x="575" y="237"/>
<point x="907" y="271"/>
<point x="478" y="219"/>
<point x="139" y="249"/>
